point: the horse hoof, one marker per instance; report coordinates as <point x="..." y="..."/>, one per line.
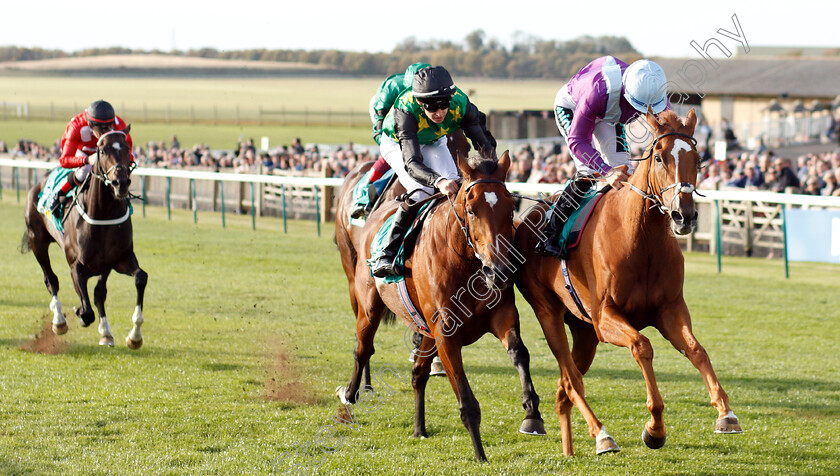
<point x="106" y="340"/>
<point x="86" y="322"/>
<point x="340" y="393"/>
<point x="59" y="329"/>
<point x="437" y="368"/>
<point x="420" y="434"/>
<point x="532" y="426"/>
<point x="653" y="442"/>
<point x="607" y="445"/>
<point x="728" y="425"/>
<point x="133" y="344"/>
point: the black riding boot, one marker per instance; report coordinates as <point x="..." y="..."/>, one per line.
<point x="55" y="205"/>
<point x="385" y="265"/>
<point x="360" y="210"/>
<point x="567" y="204"/>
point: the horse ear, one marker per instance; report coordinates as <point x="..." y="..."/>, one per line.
<point x="503" y="166"/>
<point x="127" y="129"/>
<point x="650" y="117"/>
<point x="463" y="165"/>
<point x="691" y="121"/>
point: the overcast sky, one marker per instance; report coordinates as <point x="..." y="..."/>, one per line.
<point x="654" y="28"/>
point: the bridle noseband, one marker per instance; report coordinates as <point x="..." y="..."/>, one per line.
<point x="682" y="187"/>
<point x="101" y="174"/>
<point x="464" y="223"/>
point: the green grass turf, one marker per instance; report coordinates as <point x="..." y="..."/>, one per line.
<point x="248" y="333"/>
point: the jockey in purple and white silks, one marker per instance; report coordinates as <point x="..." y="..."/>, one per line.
<point x="591" y="112"/>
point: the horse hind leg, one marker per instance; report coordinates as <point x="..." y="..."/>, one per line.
<point x="38" y="239"/>
<point x="100" y="292"/>
<point x="366" y="327"/>
<point x="584" y="345"/>
<point x="419" y="378"/>
<point x="570" y="388"/>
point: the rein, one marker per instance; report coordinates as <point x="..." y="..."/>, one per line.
<point x="682" y="187"/>
<point x="102" y="175"/>
<point x="464" y="223"/>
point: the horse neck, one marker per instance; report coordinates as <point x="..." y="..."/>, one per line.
<point x="100" y="198"/>
<point x="635" y="211"/>
<point x="446" y="230"/>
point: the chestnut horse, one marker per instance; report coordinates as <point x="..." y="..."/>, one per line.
<point x="628" y="272"/>
<point x="97" y="239"/>
<point x="457" y="278"/>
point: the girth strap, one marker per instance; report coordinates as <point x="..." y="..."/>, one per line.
<point x="573" y="293"/>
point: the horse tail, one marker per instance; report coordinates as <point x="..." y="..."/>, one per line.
<point x="389" y="318"/>
<point x="25" y="246"/>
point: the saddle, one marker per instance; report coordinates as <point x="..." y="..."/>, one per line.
<point x="573" y="228"/>
<point x="409" y="238"/>
<point x="52" y="185"/>
<point x="367" y="194"/>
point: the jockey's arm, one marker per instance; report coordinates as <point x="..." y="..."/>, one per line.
<point x="130" y="147"/>
<point x="580" y="139"/>
<point x="406" y="127"/>
<point x="70" y="159"/>
<point x="474" y="126"/>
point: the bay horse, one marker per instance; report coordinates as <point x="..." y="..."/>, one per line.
<point x="97" y="239"/>
<point x="628" y="272"/>
<point x="457" y="277"/>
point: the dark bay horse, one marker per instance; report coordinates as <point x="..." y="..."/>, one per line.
<point x="457" y="277"/>
<point x="628" y="272"/>
<point x="97" y="239"/>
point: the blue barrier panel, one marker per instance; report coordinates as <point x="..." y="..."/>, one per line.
<point x="813" y="235"/>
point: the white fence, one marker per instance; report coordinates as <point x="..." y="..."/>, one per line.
<point x="736" y="222"/>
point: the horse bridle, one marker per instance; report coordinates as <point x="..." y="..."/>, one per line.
<point x="464" y="223"/>
<point x="682" y="187"/>
<point x="101" y="174"/>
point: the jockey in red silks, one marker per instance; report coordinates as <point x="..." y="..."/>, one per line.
<point x="592" y="110"/>
<point x="78" y="145"/>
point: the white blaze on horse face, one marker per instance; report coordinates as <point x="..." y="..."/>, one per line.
<point x="116" y="146"/>
<point x="491" y="198"/>
<point x="679" y="145"/>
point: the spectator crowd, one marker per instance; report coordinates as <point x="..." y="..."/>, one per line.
<point x="811" y="173"/>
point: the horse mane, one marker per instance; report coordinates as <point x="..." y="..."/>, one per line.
<point x="671" y="119"/>
<point x="482" y="165"/>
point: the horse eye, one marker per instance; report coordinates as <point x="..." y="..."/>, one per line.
<point x="657" y="158"/>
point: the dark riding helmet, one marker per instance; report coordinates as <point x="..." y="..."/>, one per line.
<point x="433" y="86"/>
<point x="100" y="113"/>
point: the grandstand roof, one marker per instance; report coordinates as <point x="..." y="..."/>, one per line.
<point x="770" y="77"/>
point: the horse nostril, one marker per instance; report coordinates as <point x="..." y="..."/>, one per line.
<point x="676" y="216"/>
<point x="488" y="273"/>
<point x="128" y="182"/>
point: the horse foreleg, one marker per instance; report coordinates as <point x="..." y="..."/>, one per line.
<point x="80" y="279"/>
<point x="419" y="377"/>
<point x="675" y="325"/>
<point x="521" y="359"/>
<point x="615" y="330"/>
<point x="450" y="356"/>
<point x="100" y="292"/>
<point x="130" y="267"/>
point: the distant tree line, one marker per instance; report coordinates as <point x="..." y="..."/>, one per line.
<point x="478" y="56"/>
